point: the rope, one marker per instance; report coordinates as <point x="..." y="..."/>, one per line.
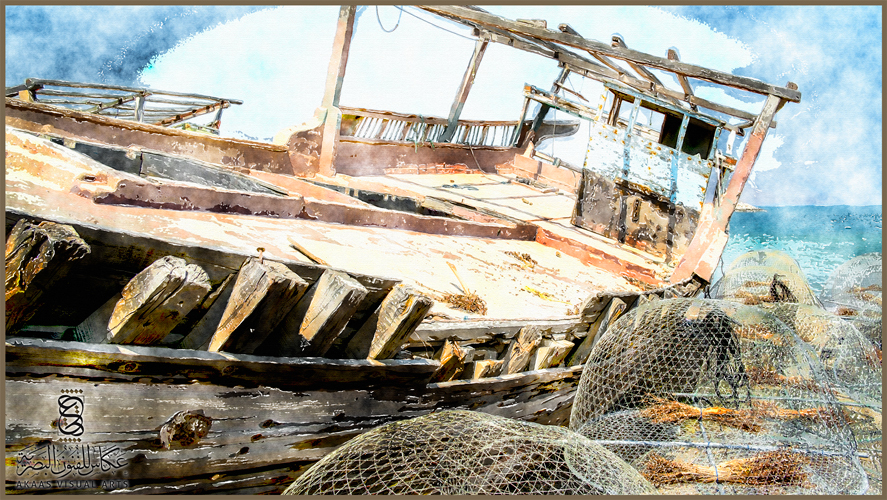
<point x="399" y="15"/>
<point x="436" y="26"/>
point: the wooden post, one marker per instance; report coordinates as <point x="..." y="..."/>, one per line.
<point x="156" y="300"/>
<point x="140" y="108"/>
<point x="264" y="292"/>
<point x="549" y="354"/>
<point x="543" y="108"/>
<point x="521" y="348"/>
<point x="318" y="319"/>
<point x="333" y="89"/>
<point x="37" y="257"/>
<point x="705" y="250"/>
<point x="462" y="95"/>
<point x="400" y="313"/>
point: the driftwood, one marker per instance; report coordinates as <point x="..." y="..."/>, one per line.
<point x="550" y="353"/>
<point x="521" y="348"/>
<point x="391" y="325"/>
<point x="452" y="362"/>
<point x="37" y="256"/>
<point x="156" y="300"/>
<point x="264" y="292"/>
<point x="318" y="318"/>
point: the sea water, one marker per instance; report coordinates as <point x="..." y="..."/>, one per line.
<point x="819" y="238"/>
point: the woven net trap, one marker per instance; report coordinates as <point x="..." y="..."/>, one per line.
<point x="853" y="291"/>
<point x="463" y="452"/>
<point x="713" y="397"/>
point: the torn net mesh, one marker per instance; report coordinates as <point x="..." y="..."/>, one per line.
<point x="709" y="396"/>
<point x="463" y="452"/>
<point x="853" y="291"/>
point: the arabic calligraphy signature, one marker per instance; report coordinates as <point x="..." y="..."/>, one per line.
<point x="63" y="460"/>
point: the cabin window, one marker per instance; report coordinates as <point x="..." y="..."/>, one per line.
<point x="697" y="140"/>
<point x="662" y="125"/>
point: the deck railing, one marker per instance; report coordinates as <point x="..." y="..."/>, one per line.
<point x="157" y="107"/>
<point x="388" y="126"/>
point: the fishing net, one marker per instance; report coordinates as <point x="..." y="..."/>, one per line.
<point x="709" y="396"/>
<point x="752" y="285"/>
<point x="464" y="452"/>
<point x="853" y="291"/>
<point x="776" y="259"/>
<point x="852" y="366"/>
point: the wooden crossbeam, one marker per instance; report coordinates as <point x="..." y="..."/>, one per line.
<point x="477" y="17"/>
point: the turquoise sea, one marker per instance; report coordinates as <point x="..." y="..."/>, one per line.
<point x="819" y="238"/>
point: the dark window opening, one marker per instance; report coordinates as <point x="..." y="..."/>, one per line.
<point x="697" y="140"/>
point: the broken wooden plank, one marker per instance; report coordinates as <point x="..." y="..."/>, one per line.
<point x="38" y="255"/>
<point x="614" y="308"/>
<point x="400" y="313"/>
<point x="318" y="318"/>
<point x="521" y="348"/>
<point x="549" y="354"/>
<point x="484" y="368"/>
<point x="156" y="300"/>
<point x="452" y="362"/>
<point x="264" y="292"/>
<point x="216" y="303"/>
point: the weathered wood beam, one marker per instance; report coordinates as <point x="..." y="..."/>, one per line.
<point x="708" y="243"/>
<point x="318" y="319"/>
<point x="520" y="349"/>
<point x="264" y="292"/>
<point x="462" y="95"/>
<point x="550" y="353"/>
<point x="38" y="255"/>
<point x="39" y="83"/>
<point x="452" y="362"/>
<point x="685" y="83"/>
<point x="216" y="302"/>
<point x="543" y="108"/>
<point x="614" y="308"/>
<point x="156" y="300"/>
<point x="400" y="313"/>
<point x="478" y="17"/>
<point x="484" y="368"/>
<point x="333" y="89"/>
<point x="578" y="66"/>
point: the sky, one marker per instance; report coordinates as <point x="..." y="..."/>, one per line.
<point x="826" y="150"/>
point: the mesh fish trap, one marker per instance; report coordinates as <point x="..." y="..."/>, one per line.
<point x="464" y="452"/>
<point x="709" y="396"/>
<point x="853" y="291"/>
<point x="752" y="285"/>
<point x="776" y="259"/>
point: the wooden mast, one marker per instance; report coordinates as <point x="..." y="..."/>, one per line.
<point x="333" y="89"/>
<point x="467" y="80"/>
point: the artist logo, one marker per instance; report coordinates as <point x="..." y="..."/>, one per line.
<point x="70" y="415"/>
<point x="68" y="463"/>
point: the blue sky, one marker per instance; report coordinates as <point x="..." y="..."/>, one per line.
<point x="825" y="151"/>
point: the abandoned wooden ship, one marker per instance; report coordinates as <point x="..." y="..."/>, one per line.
<point x="220" y="313"/>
